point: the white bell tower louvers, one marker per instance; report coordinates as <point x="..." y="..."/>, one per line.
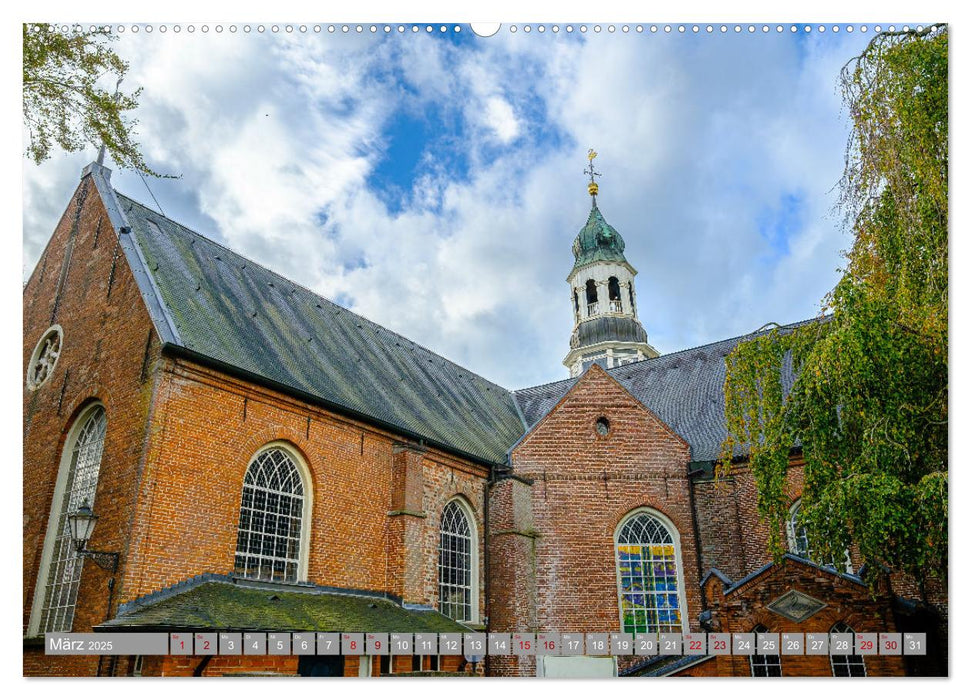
<point x="606" y="329"/>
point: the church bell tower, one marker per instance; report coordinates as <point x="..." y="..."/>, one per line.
<point x="606" y="329"/>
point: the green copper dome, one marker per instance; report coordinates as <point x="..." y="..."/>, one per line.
<point x="597" y="241"/>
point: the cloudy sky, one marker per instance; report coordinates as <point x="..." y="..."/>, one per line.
<point x="433" y="181"/>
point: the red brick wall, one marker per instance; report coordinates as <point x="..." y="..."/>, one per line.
<point x="747" y="607"/>
<point x="179" y="440"/>
<point x="208" y="427"/>
<point x="734" y="539"/>
<point x="584" y="485"/>
<point x="108" y="354"/>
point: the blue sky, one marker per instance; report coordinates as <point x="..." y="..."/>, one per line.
<point x="433" y="182"/>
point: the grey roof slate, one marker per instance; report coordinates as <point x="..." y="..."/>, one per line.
<point x="222" y="307"/>
<point x="684" y="389"/>
<point x="227" y="308"/>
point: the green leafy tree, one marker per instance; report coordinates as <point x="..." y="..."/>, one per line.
<point x="868" y="405"/>
<point x="65" y="100"/>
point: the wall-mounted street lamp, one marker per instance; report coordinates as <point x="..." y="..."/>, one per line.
<point x="82" y="525"/>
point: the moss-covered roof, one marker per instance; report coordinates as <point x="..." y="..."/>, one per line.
<point x="225" y="604"/>
<point x="597" y="241"/>
<point x="223" y="307"/>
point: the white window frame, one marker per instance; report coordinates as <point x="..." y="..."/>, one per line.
<point x="676" y="538"/>
<point x="791" y="531"/>
<point x="54" y="518"/>
<point x="307" y="512"/>
<point x="469" y="514"/>
<point x="791" y="536"/>
<point x="843" y="628"/>
<point x="764" y="663"/>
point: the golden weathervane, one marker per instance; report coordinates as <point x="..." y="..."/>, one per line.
<point x="592" y="188"/>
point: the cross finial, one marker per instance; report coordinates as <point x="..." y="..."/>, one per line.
<point x="592" y="188"/>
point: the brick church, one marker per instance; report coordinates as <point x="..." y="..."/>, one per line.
<point x="259" y="458"/>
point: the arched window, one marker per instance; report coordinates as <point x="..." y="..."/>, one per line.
<point x="796" y="531"/>
<point x="846" y="666"/>
<point x="271" y="535"/>
<point x="649" y="574"/>
<point x="576" y="304"/>
<point x="77" y="483"/>
<point x="764" y="666"/>
<point x="613" y="291"/>
<point x="591" y="292"/>
<point x="457" y="559"/>
<point x="799" y="541"/>
<point x="630" y="294"/>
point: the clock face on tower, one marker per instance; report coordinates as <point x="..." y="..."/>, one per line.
<point x="44" y="357"/>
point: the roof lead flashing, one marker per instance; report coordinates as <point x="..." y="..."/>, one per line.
<point x="97" y="169"/>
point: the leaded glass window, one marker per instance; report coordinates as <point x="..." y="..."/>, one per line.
<point x="455" y="557"/>
<point x="270" y="519"/>
<point x="799" y="540"/>
<point x="64" y="569"/>
<point x="647" y="562"/>
<point x="851" y="666"/>
<point x="768" y="666"/>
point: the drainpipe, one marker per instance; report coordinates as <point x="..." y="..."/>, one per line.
<point x="697" y="532"/>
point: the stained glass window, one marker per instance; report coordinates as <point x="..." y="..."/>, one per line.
<point x="851" y="666"/>
<point x="270" y="519"/>
<point x="63" y="573"/>
<point x="768" y="666"/>
<point x="647" y="562"/>
<point x="455" y="556"/>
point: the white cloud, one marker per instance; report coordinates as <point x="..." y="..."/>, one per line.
<point x="500" y="118"/>
<point x="700" y="139"/>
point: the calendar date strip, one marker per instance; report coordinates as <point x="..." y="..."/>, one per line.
<point x="474" y="645"/>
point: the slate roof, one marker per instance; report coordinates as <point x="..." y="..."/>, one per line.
<point x="223" y="307"/>
<point x="215" y="305"/>
<point x="684" y="389"/>
<point x="219" y="602"/>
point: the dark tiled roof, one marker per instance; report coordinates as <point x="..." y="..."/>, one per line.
<point x="215" y="602"/>
<point x="684" y="389"/>
<point x="226" y="308"/>
<point x="800" y="560"/>
<point x="663" y="665"/>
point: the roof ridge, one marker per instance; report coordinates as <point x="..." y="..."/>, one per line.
<point x="170" y="591"/>
<point x="230" y="579"/>
<point x="794" y="324"/>
<point x="540" y="386"/>
<point x="311" y="292"/>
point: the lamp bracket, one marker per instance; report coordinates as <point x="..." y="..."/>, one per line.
<point x="106" y="560"/>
